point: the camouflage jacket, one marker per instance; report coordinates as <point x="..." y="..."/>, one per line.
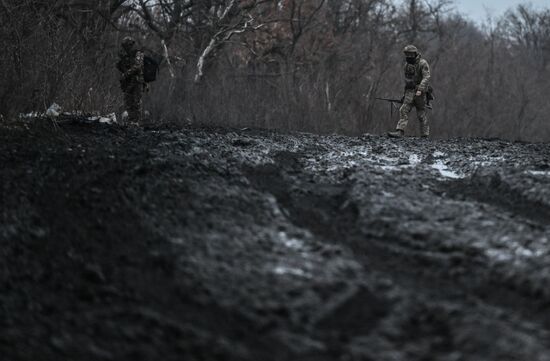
<point x="417" y="76"/>
<point x="131" y="67"/>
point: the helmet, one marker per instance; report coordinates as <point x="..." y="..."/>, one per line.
<point x="410" y="49"/>
<point x="128" y="42"/>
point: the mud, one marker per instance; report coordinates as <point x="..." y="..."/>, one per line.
<point x="211" y="244"/>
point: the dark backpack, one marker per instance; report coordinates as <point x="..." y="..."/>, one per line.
<point x="430" y="95"/>
<point x="150" y="68"/>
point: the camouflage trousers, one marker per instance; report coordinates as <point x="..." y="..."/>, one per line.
<point x="412" y="101"/>
<point x="133" y="94"/>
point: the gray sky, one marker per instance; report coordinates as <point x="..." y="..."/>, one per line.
<point x="475" y="9"/>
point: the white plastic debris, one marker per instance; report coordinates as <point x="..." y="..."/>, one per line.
<point x="445" y="171"/>
<point x="78" y="116"/>
<point x="103" y="119"/>
<point x="30" y="115"/>
<point x="54" y="110"/>
<point x="108" y="119"/>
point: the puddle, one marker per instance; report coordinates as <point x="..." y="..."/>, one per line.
<point x="538" y="173"/>
<point x="445" y="171"/>
<point x="291" y="242"/>
<point x="292" y="271"/>
<point x="414" y="159"/>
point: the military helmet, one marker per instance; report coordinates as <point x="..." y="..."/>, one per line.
<point x="128" y="42"/>
<point x="410" y="49"/>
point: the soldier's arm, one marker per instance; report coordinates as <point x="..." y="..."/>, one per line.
<point x="423" y="87"/>
<point x="120" y="64"/>
<point x="137" y="68"/>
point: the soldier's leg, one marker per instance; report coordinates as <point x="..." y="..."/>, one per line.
<point x="134" y="104"/>
<point x="421" y="113"/>
<point x="405" y="110"/>
<point x="127" y="101"/>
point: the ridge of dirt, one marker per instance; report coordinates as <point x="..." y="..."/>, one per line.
<point x="221" y="244"/>
<point x="490" y="186"/>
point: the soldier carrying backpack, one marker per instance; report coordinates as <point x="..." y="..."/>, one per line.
<point x="136" y="70"/>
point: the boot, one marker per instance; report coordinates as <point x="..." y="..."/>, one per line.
<point x="397" y="134"/>
<point x="425" y="131"/>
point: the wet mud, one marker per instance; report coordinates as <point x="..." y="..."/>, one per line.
<point x="218" y="244"/>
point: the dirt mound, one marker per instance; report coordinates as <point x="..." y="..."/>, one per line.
<point x="212" y="244"/>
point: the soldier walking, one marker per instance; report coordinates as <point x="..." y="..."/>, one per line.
<point x="130" y="65"/>
<point x="417" y="78"/>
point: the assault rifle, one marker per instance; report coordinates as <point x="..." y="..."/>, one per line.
<point x="394" y="104"/>
<point x="399" y="101"/>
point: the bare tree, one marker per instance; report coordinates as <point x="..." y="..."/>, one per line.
<point x="308" y="65"/>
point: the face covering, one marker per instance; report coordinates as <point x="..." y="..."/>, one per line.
<point x="410" y="60"/>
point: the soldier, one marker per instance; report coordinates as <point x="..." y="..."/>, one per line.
<point x="130" y="65"/>
<point x="417" y="78"/>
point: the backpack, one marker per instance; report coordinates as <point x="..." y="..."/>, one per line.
<point x="150" y="68"/>
<point x="430" y="95"/>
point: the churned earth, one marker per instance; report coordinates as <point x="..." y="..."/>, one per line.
<point x="216" y="244"/>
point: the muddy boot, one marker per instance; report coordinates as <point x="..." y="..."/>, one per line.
<point x="424" y="128"/>
<point x="397" y="134"/>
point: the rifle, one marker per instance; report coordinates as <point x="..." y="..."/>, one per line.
<point x="394" y="102"/>
<point x="399" y="101"/>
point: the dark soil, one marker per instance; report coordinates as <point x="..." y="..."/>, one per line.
<point x="211" y="244"/>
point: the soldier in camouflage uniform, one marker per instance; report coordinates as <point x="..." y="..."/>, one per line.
<point x="417" y="78"/>
<point x="130" y="65"/>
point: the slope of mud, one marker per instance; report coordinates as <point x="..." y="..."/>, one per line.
<point x="209" y="244"/>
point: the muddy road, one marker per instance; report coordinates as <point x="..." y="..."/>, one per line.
<point x="209" y="244"/>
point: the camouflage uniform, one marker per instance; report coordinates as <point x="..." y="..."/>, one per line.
<point x="417" y="78"/>
<point x="130" y="65"/>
